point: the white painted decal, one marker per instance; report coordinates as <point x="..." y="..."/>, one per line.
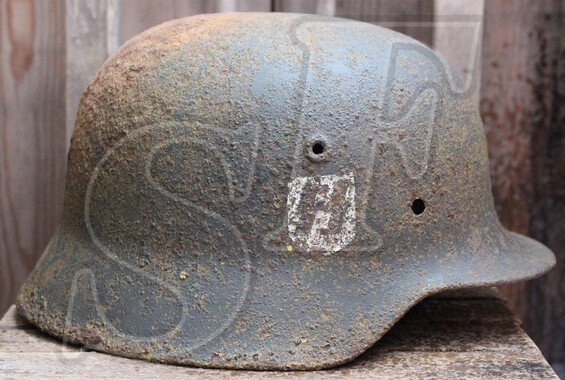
<point x="321" y="213"/>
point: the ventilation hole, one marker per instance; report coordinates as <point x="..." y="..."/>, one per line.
<point x="418" y="206"/>
<point x="318" y="148"/>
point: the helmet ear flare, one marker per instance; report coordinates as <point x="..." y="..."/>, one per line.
<point x="268" y="191"/>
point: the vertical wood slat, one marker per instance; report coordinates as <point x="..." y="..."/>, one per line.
<point x="321" y="7"/>
<point x="523" y="108"/>
<point x="32" y="134"/>
<point x="411" y="17"/>
<point x="295" y="6"/>
<point x="89" y="38"/>
<point x="113" y="12"/>
<point x="243" y="5"/>
<point x="458" y="39"/>
<point x="139" y="15"/>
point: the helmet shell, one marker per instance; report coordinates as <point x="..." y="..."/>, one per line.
<point x="268" y="191"/>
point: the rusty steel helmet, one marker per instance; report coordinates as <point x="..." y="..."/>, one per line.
<point x="268" y="191"/>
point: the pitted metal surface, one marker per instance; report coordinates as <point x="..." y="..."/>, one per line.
<point x="268" y="191"/>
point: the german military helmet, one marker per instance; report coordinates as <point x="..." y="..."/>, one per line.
<point x="268" y="191"/>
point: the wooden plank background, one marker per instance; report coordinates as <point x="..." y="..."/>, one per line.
<point x="50" y="49"/>
<point x="32" y="134"/>
<point x="523" y="108"/>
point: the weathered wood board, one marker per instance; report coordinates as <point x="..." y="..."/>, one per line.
<point x="523" y="110"/>
<point x="468" y="334"/>
<point x="32" y="134"/>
